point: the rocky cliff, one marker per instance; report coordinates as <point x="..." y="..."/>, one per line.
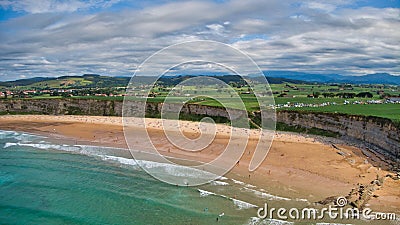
<point x="379" y="132"/>
<point x="61" y="107"/>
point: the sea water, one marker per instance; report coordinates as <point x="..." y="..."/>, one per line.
<point x="42" y="182"/>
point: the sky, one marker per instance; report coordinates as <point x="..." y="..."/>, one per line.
<point x="51" y="38"/>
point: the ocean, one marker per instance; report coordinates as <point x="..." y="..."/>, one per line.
<point x="43" y="182"/>
<point x="50" y="181"/>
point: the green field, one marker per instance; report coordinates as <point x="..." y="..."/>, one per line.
<point x="284" y="95"/>
<point x="391" y="111"/>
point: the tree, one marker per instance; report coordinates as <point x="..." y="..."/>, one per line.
<point x="328" y="94"/>
<point x="346" y="95"/>
<point x="316" y="94"/>
<point x="365" y="95"/>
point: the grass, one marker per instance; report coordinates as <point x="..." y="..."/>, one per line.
<point x="305" y="89"/>
<point x="47" y="96"/>
<point x="60" y="83"/>
<point x="318" y="100"/>
<point x="390" y="111"/>
<point x="297" y="92"/>
<point x="104" y="98"/>
<point x="22" y="113"/>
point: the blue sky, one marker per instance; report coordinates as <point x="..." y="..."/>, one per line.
<point x="73" y="37"/>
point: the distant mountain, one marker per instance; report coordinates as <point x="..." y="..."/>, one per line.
<point x="86" y="80"/>
<point x="273" y="77"/>
<point x="377" y="78"/>
<point x="24" y="82"/>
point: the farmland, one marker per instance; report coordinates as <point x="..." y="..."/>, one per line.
<point x="369" y="100"/>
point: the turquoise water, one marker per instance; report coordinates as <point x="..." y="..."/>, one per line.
<point x="46" y="183"/>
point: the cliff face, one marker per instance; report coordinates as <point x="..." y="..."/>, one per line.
<point x="379" y="132"/>
<point x="62" y="107"/>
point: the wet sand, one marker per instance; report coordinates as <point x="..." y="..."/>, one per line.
<point x="296" y="166"/>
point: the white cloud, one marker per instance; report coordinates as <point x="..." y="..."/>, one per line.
<point x="276" y="34"/>
<point x="45" y="6"/>
<point x="216" y="28"/>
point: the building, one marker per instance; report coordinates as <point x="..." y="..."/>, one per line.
<point x="394" y="99"/>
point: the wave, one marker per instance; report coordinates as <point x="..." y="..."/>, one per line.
<point x="242" y="204"/>
<point x="204" y="193"/>
<point x="266" y="195"/>
<point x="222" y="178"/>
<point x="216" y="182"/>
<point x="258" y="221"/>
<point x="238" y="203"/>
<point x="103" y="153"/>
<point x="263" y="194"/>
<point x="4" y="134"/>
<point x="301" y="200"/>
<point x="238" y="182"/>
<point x="331" y="224"/>
<point x="46" y="146"/>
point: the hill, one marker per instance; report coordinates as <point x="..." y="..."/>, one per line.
<point x="98" y="81"/>
<point x="377" y="78"/>
<point x="86" y="80"/>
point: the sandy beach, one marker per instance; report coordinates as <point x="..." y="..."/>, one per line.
<point x="297" y="166"/>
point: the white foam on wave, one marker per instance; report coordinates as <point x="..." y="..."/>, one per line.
<point x="242" y="204"/>
<point x="250" y="186"/>
<point x="258" y="221"/>
<point x="94" y="147"/>
<point x="103" y="153"/>
<point x="243" y="183"/>
<point x="301" y="200"/>
<point x="238" y="182"/>
<point x="332" y="224"/>
<point x="204" y="193"/>
<point x="120" y="160"/>
<point x="8" y="144"/>
<point x="171" y="169"/>
<point x="266" y="195"/>
<point x="221" y="183"/>
<point x="262" y="193"/>
<point x="18" y="136"/>
<point x="45" y="146"/>
<point x="238" y="203"/>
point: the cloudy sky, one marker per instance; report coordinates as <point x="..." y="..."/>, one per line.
<point x="73" y="37"/>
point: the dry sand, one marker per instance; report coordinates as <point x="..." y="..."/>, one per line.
<point x="296" y="166"/>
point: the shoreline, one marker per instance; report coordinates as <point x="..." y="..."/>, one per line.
<point x="297" y="166"/>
